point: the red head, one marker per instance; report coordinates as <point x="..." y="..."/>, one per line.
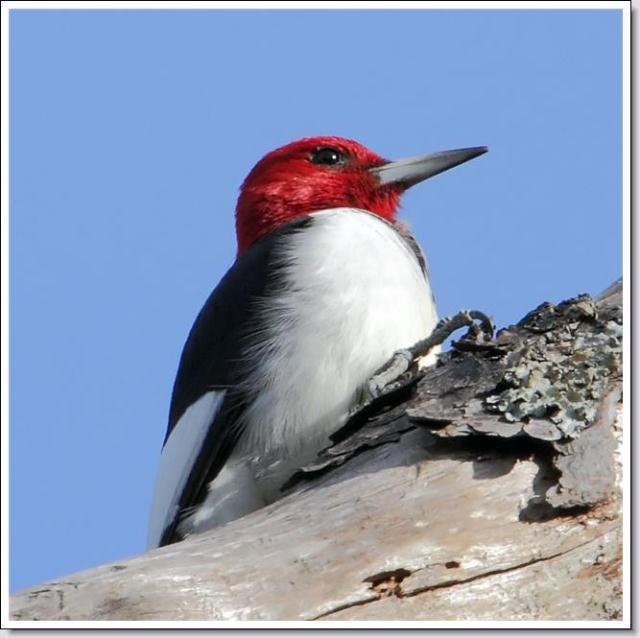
<point x="317" y="173"/>
<point x="308" y="175"/>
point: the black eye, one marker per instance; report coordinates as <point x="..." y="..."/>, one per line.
<point x="329" y="156"/>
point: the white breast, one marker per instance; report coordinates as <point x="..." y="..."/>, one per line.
<point x="355" y="294"/>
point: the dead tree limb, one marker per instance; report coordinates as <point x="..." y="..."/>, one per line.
<point x="487" y="489"/>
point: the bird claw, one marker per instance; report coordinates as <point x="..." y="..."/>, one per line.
<point x="385" y="378"/>
<point x="391" y="371"/>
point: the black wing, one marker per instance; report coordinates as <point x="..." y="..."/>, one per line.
<point x="212" y="358"/>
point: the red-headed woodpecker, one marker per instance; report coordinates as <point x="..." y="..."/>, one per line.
<point x="326" y="286"/>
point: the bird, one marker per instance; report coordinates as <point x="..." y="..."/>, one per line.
<point x="326" y="286"/>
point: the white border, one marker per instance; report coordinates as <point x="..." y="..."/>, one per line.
<point x="626" y="313"/>
<point x="321" y="4"/>
<point x="4" y="297"/>
<point x="4" y="315"/>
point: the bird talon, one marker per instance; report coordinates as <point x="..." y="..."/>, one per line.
<point x="402" y="360"/>
<point x="391" y="371"/>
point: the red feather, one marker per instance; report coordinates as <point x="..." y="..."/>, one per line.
<point x="286" y="184"/>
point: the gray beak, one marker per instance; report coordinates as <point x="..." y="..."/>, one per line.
<point x="412" y="170"/>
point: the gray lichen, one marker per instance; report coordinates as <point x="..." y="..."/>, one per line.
<point x="562" y="383"/>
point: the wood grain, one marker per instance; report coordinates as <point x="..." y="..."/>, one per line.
<point x="428" y="507"/>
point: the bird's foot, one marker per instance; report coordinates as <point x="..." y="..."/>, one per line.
<point x="389" y="373"/>
<point x="403" y="364"/>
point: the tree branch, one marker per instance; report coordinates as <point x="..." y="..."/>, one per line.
<point x="486" y="489"/>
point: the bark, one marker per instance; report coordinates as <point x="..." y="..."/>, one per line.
<point x="486" y="489"/>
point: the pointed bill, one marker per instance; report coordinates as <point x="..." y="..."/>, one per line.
<point x="412" y="170"/>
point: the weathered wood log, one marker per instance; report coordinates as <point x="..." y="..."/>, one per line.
<point x="487" y="489"/>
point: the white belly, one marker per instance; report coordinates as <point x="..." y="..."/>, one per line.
<point x="355" y="294"/>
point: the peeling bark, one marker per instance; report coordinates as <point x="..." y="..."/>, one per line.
<point x="478" y="490"/>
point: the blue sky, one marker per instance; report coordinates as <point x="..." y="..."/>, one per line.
<point x="130" y="134"/>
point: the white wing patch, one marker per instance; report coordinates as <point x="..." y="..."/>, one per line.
<point x="178" y="456"/>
